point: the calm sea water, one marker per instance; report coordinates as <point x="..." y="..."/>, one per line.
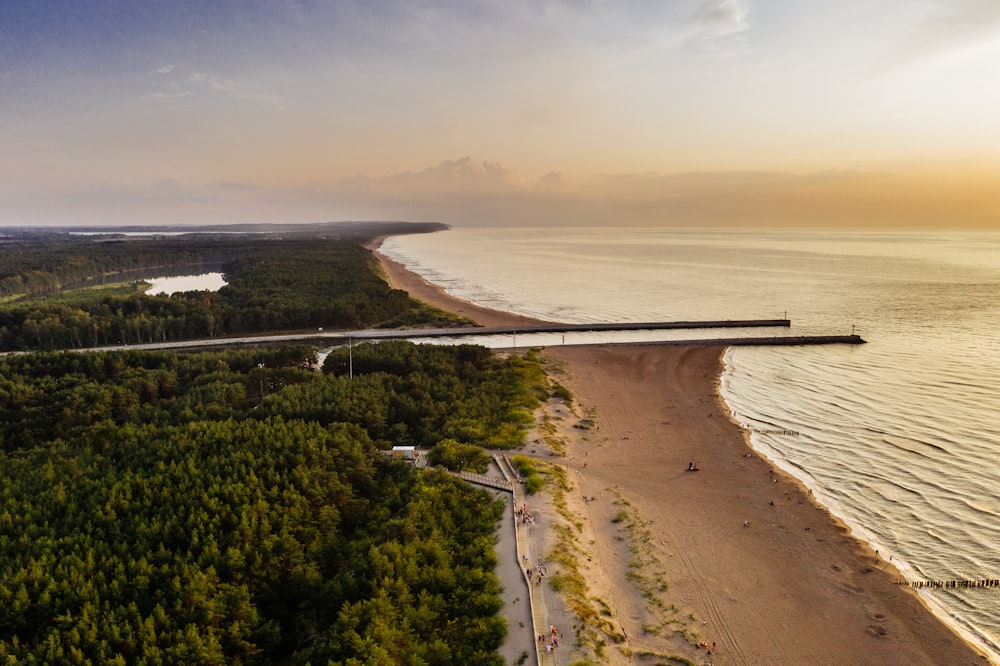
<point x="899" y="437"/>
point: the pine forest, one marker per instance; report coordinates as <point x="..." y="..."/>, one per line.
<point x="238" y="506"/>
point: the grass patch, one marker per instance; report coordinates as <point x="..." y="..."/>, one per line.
<point x="559" y="392"/>
<point x="595" y="626"/>
<point x="646" y="572"/>
<point x="563" y="393"/>
<point x="548" y="435"/>
<point x="671" y="659"/>
<point x="556" y="476"/>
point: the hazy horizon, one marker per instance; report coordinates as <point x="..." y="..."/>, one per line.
<point x="696" y="113"/>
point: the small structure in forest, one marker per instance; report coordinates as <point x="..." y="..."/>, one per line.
<point x="405" y="452"/>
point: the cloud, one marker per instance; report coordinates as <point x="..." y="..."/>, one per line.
<point x="469" y="192"/>
<point x="164" y="201"/>
<point x="230" y="87"/>
<point x="711" y="20"/>
<point x="204" y="81"/>
<point x="240" y="186"/>
<point x="716" y="18"/>
<point x="949" y="25"/>
<point x="459" y="177"/>
<point x="168" y="186"/>
<point x="552" y="180"/>
<point x="213" y="83"/>
<point x="174" y="95"/>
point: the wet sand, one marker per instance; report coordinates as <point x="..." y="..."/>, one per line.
<point x="736" y="554"/>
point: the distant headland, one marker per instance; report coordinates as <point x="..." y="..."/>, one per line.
<point x="339" y="230"/>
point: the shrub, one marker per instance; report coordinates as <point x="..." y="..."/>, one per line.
<point x="457" y="456"/>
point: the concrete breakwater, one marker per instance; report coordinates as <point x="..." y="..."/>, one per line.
<point x="776" y="340"/>
<point x="555" y="327"/>
<point x="349" y="337"/>
<point x="787" y="340"/>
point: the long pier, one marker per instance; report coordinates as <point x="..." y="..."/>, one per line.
<point x="347" y="337"/>
<point x="729" y="341"/>
<point x="555" y="327"/>
<point x="783" y="340"/>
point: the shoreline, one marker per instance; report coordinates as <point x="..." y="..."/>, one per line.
<point x="741" y="548"/>
<point x="399" y="277"/>
<point x="977" y="641"/>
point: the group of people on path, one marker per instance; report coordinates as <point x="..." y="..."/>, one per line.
<point x="537" y="573"/>
<point x="522" y="514"/>
<point x="550" y="643"/>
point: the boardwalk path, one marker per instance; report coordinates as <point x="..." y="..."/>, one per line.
<point x="527" y="558"/>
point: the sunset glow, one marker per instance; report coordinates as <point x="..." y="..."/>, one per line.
<point x="700" y="112"/>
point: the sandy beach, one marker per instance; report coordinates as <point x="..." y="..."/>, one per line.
<point x="735" y="555"/>
<point x="431" y="294"/>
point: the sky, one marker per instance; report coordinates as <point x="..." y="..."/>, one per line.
<point x="790" y="113"/>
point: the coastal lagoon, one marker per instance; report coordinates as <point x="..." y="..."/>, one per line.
<point x="897" y="437"/>
<point x="180" y="283"/>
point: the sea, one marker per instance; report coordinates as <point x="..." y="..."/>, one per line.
<point x="899" y="437"/>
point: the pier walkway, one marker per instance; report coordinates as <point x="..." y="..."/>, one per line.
<point x="527" y="559"/>
<point x="488" y="481"/>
